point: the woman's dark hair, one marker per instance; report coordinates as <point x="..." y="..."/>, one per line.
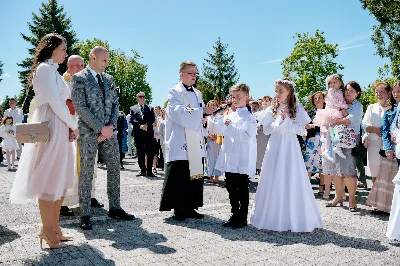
<point x="311" y="98"/>
<point x="355" y="86"/>
<point x="44" y="51"/>
<point x="6" y="118"/>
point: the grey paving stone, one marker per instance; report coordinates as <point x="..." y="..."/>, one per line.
<point x="154" y="239"/>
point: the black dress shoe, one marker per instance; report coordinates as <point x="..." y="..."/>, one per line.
<point x="179" y="216"/>
<point x="95" y="204"/>
<point x="227" y="224"/>
<point x="193" y="214"/>
<point x="65" y="211"/>
<point x="120" y="214"/>
<point x="239" y="224"/>
<point x="141" y="174"/>
<point x="151" y="175"/>
<point x="86" y="224"/>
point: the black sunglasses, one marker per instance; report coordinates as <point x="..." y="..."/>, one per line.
<point x="141" y="96"/>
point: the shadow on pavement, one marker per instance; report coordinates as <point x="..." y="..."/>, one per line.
<point x="317" y="238"/>
<point x="72" y="255"/>
<point x="126" y="235"/>
<point x="7" y="236"/>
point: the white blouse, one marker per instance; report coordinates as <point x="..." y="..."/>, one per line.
<point x="373" y="117"/>
<point x="50" y="88"/>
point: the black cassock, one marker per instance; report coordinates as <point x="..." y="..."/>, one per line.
<point x="179" y="192"/>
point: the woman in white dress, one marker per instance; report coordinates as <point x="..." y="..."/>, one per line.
<point x="284" y="200"/>
<point x="47" y="170"/>
<point x="372" y="124"/>
<point x="382" y="169"/>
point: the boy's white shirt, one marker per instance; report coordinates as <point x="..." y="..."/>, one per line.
<point x="238" y="152"/>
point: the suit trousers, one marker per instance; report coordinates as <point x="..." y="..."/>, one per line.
<point x="109" y="151"/>
<point x="238" y="189"/>
<point x="144" y="146"/>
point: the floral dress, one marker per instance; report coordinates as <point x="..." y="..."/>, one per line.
<point x="312" y="154"/>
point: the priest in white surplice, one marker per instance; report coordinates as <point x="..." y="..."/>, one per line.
<point x="184" y="147"/>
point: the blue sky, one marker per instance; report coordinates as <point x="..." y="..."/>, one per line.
<point x="167" y="32"/>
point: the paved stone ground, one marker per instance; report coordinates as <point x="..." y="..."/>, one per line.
<point x="155" y="239"/>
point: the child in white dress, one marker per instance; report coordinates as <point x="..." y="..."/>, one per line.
<point x="9" y="144"/>
<point x="284" y="200"/>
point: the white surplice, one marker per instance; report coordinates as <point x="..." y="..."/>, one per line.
<point x="178" y="117"/>
<point x="239" y="147"/>
<point x="284" y="199"/>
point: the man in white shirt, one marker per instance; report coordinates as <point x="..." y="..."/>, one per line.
<point x="17" y="116"/>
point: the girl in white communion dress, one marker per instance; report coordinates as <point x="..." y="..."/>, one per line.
<point x="284" y="200"/>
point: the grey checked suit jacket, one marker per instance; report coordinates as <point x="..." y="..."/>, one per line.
<point x="93" y="111"/>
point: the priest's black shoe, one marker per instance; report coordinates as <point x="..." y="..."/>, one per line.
<point x="151" y="175"/>
<point x="230" y="221"/>
<point x="86" y="224"/>
<point x="193" y="214"/>
<point x="239" y="224"/>
<point x="120" y="214"/>
<point x="179" y="216"/>
<point x="141" y="174"/>
<point x="65" y="211"/>
<point x="95" y="204"/>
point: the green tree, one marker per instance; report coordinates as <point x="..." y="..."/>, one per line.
<point x="368" y="94"/>
<point x="220" y="71"/>
<point x="51" y="19"/>
<point x="1" y="70"/>
<point x="5" y="104"/>
<point x="129" y="75"/>
<point x="206" y="89"/>
<point x="310" y="63"/>
<point x="386" y="35"/>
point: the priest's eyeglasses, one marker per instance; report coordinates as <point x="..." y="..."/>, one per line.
<point x="191" y="73"/>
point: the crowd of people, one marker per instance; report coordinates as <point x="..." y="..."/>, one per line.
<point x="275" y="139"/>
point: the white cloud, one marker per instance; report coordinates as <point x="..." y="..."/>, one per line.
<point x="351" y="47"/>
<point x="271" y="61"/>
<point x="6" y="75"/>
<point x="355" y="39"/>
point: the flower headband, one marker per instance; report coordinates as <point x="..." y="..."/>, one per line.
<point x="334" y="76"/>
<point x="285" y="81"/>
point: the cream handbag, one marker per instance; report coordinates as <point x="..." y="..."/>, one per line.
<point x="32" y="132"/>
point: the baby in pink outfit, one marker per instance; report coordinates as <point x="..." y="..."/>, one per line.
<point x="326" y="118"/>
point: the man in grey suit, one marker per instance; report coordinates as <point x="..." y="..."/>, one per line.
<point x="95" y="100"/>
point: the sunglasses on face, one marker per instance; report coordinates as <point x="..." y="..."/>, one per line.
<point x="141" y="96"/>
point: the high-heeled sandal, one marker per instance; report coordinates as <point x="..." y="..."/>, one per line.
<point x="353" y="209"/>
<point x="62" y="237"/>
<point x="321" y="193"/>
<point x="42" y="235"/>
<point x="334" y="204"/>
